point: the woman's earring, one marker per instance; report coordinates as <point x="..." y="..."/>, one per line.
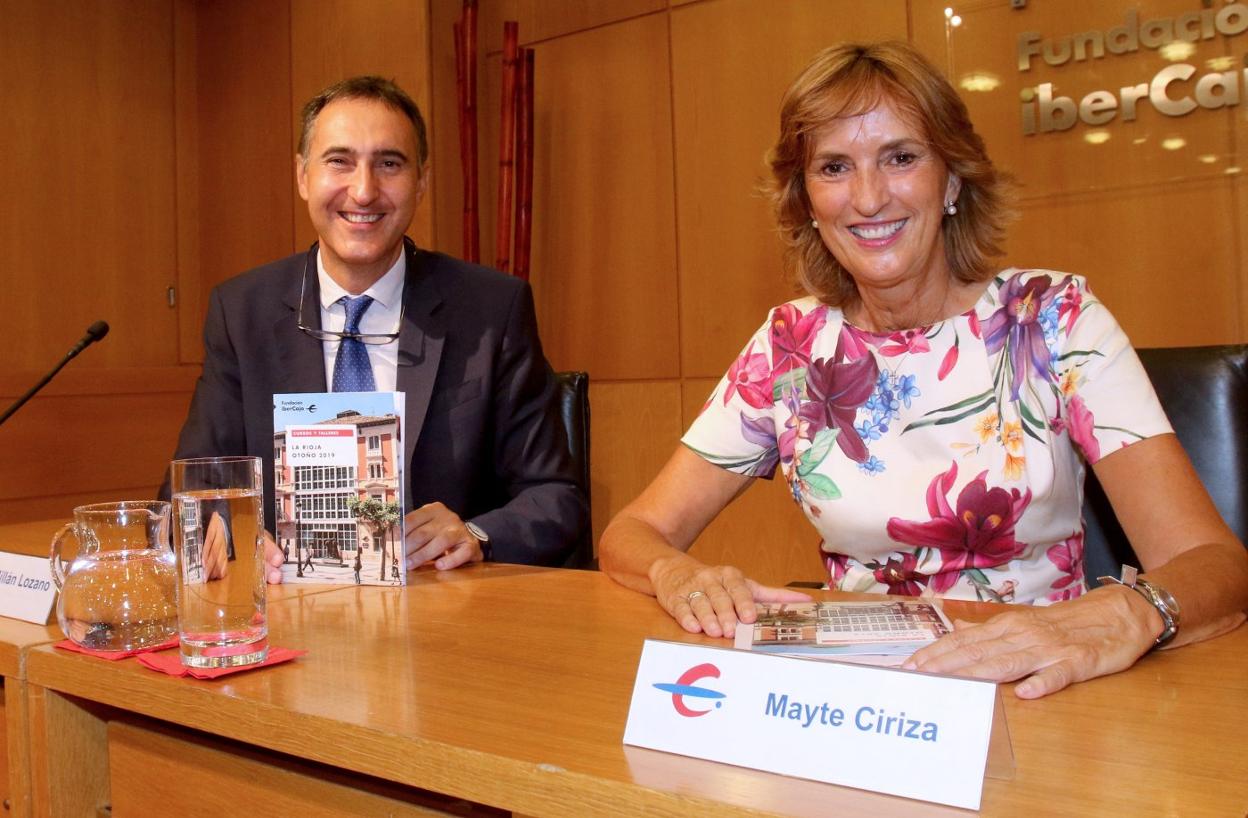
<point x="814" y="224"/>
<point x="950" y="208"/>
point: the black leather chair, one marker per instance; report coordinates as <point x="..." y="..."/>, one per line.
<point x="574" y="407"/>
<point x="1204" y="391"/>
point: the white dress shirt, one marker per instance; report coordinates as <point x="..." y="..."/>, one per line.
<point x="382" y="316"/>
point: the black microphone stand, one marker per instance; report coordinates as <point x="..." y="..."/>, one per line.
<point x="94" y="333"/>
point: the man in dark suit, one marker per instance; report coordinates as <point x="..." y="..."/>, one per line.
<point x="489" y="475"/>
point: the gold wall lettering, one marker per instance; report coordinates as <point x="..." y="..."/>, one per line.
<point x="1171" y="91"/>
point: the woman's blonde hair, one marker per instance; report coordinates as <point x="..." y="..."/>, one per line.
<point x="850" y="80"/>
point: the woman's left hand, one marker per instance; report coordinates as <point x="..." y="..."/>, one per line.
<point x="1102" y="632"/>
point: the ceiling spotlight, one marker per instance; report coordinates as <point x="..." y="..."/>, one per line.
<point x="1207" y="158"/>
<point x="1177" y="50"/>
<point x="1220" y="63"/>
<point x="1098" y="137"/>
<point x="1173" y="143"/>
<point x="979" y="81"/>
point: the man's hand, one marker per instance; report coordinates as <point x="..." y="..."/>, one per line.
<point x="435" y="533"/>
<point x="216" y="549"/>
<point x="273" y="559"/>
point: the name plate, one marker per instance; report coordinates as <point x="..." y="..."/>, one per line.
<point x="878" y="729"/>
<point x="26" y="588"/>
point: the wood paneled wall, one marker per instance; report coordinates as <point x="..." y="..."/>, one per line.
<point x="151" y="148"/>
<point x="654" y="257"/>
<point x="89" y="226"/>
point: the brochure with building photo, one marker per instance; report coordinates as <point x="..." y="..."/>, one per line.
<point x="338" y="475"/>
<point x="878" y="633"/>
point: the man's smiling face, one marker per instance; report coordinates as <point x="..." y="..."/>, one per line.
<point x="362" y="180"/>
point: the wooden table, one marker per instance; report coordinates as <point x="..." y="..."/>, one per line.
<point x="509" y="686"/>
<point x="32" y="538"/>
<point x="16" y="638"/>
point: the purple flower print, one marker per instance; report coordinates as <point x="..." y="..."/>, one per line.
<point x="762" y="432"/>
<point x="1017" y="325"/>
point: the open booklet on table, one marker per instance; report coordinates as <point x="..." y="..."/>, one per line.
<point x="877" y="633"/>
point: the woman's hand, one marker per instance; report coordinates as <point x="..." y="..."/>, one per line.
<point x="1100" y="633"/>
<point x="711" y="599"/>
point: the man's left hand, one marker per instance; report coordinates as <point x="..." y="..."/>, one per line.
<point x="437" y="534"/>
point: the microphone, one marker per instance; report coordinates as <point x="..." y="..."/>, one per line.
<point x="94" y="333"/>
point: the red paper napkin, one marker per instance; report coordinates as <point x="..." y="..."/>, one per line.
<point x="171" y="663"/>
<point x="114" y="655"/>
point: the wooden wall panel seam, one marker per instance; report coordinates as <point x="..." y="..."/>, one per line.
<point x="671" y="101"/>
<point x="1241" y="279"/>
<point x="294" y="211"/>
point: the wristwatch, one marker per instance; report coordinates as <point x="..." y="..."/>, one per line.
<point x="1158" y="597"/>
<point x="477" y="531"/>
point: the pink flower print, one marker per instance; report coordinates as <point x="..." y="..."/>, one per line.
<point x="851" y="344"/>
<point x="972" y="318"/>
<point x="793" y="336"/>
<point x="1079" y="422"/>
<point x="838" y="567"/>
<point x="949" y="361"/>
<point x="1072" y="302"/>
<point x="977" y="533"/>
<point x="1068" y="557"/>
<point x="750" y="377"/>
<point x="904" y="343"/>
<point x="901" y="575"/>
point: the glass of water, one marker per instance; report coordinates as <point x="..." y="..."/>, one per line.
<point x="218" y="523"/>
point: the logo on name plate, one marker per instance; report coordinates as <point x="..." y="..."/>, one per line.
<point x="685" y="687"/>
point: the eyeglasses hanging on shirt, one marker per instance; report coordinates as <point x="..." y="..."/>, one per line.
<point x="376" y="338"/>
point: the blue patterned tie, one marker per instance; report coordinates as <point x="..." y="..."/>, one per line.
<point x="352" y="370"/>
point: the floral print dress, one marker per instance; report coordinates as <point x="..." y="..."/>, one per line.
<point x="946" y="459"/>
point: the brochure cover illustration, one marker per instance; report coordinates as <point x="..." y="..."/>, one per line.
<point x="881" y="633"/>
<point x="338" y="463"/>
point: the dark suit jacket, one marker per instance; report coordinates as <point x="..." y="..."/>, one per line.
<point x="483" y="433"/>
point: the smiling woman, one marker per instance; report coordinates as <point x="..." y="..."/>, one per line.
<point x="876" y="192"/>
<point x="932" y="412"/>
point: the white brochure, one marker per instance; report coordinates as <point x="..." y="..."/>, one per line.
<point x="26" y="588"/>
<point x="339" y="484"/>
<point x="879" y="729"/>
